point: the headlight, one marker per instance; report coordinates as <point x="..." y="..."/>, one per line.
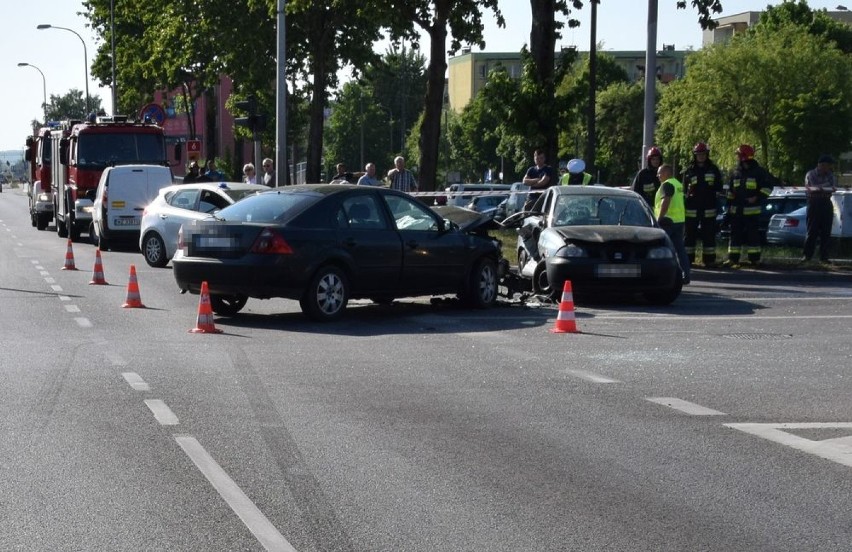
<point x="43" y="197"/>
<point x="572" y="251"/>
<point x="660" y="253"/>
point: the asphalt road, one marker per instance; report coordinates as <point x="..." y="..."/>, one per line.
<point x="722" y="422"/>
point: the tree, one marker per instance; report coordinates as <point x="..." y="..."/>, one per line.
<point x="734" y="94"/>
<point x="619" y="115"/>
<point x="70" y="106"/>
<point x="816" y="22"/>
<point x="464" y="19"/>
<point x="543" y="36"/>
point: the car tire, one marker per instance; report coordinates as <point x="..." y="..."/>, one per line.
<point x="154" y="250"/>
<point x="540" y="283"/>
<point x="33" y="218"/>
<point x="523" y="258"/>
<point x="227" y="305"/>
<point x="663" y="298"/>
<point x="327" y="294"/>
<point x="482" y="285"/>
<point x="61" y="229"/>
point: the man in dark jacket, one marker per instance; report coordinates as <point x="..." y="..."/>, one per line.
<point x="747" y="191"/>
<point x="702" y="181"/>
<point x="819" y="184"/>
<point x="646" y="183"/>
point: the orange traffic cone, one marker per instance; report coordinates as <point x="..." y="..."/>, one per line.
<point x="98" y="271"/>
<point x="565" y="322"/>
<point x="204" y="322"/>
<point x="133" y="300"/>
<point x="69" y="258"/>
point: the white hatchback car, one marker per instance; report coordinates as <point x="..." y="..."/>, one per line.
<point x="180" y="203"/>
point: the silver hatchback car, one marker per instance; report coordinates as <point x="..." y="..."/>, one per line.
<point x="181" y="203"/>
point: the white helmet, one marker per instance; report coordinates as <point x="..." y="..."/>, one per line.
<point x="576" y="166"/>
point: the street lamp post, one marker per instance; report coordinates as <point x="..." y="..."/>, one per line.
<point x="85" y="56"/>
<point x="43" y="84"/>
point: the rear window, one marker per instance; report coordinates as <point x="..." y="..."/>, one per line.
<point x="272" y="207"/>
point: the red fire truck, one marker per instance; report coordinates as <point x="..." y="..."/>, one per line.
<point x="81" y="152"/>
<point x="40" y="196"/>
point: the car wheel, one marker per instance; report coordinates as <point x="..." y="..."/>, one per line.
<point x="540" y="283"/>
<point x="327" y="294"/>
<point x="667" y="297"/>
<point x="33" y="218"/>
<point x="154" y="250"/>
<point x="72" y="230"/>
<point x="61" y="229"/>
<point x="523" y="258"/>
<point x="227" y="305"/>
<point x="481" y="291"/>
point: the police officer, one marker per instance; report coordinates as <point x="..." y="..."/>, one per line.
<point x="671" y="213"/>
<point x="646" y="183"/>
<point x="702" y="181"/>
<point x="747" y="190"/>
<point x="576" y="173"/>
<point x="819" y="185"/>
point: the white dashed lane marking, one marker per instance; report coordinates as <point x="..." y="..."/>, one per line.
<point x="136" y="382"/>
<point x="162" y="413"/>
<point x="83" y="322"/>
<point x="72" y="308"/>
<point x="685" y="406"/>
<point x="596" y="378"/>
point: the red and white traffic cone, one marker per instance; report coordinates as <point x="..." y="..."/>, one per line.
<point x="204" y="322"/>
<point x="98" y="271"/>
<point x="69" y="258"/>
<point x="133" y="300"/>
<point x="565" y="322"/>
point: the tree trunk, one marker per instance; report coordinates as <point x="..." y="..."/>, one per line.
<point x="542" y="49"/>
<point x="430" y="132"/>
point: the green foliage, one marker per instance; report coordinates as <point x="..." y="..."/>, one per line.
<point x="786" y="91"/>
<point x="799" y="14"/>
<point x="71" y="105"/>
<point x="619" y="118"/>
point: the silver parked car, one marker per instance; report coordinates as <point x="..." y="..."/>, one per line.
<point x="181" y="203"/>
<point x="788" y="228"/>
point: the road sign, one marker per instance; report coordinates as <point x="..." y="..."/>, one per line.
<point x="156" y="113"/>
<point x="193" y="149"/>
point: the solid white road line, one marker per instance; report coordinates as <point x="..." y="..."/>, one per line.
<point x="685" y="406"/>
<point x="837" y="449"/>
<point x="136" y="381"/>
<point x="162" y="413"/>
<point x="596" y="378"/>
<point x="252" y="517"/>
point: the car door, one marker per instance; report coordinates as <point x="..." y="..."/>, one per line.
<point x="371" y="242"/>
<point x="433" y="258"/>
<point x="181" y="207"/>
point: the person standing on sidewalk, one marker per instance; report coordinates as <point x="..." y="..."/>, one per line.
<point x="702" y="180"/>
<point x="819" y="185"/>
<point x="671" y="213"/>
<point x="747" y="190"/>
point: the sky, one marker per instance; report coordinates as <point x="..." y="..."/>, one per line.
<point x="59" y="54"/>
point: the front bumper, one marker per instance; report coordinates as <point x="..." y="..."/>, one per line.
<point x="592" y="275"/>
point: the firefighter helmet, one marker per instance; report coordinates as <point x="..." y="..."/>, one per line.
<point x="745" y="152"/>
<point x="654" y="151"/>
<point x="700" y="147"/>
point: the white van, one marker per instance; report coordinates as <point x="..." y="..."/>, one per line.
<point x="123" y="193"/>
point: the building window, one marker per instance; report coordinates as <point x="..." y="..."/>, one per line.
<point x="482" y="71"/>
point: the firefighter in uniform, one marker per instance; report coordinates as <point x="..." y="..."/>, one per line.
<point x="702" y="182"/>
<point x="646" y="183"/>
<point x="747" y="190"/>
<point x="576" y="174"/>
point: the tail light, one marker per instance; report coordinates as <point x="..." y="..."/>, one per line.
<point x="180" y="244"/>
<point x="791" y="223"/>
<point x="270" y="242"/>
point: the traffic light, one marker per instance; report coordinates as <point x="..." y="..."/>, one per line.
<point x="252" y="120"/>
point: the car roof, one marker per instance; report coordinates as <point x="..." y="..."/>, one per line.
<point x="214" y="186"/>
<point x="785" y="191"/>
<point x="593" y="190"/>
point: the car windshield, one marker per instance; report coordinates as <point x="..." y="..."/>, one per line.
<point x="268" y="207"/>
<point x="114" y="148"/>
<point x="581" y="210"/>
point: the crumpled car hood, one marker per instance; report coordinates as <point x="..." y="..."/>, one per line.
<point x="467" y="220"/>
<point x="601" y="234"/>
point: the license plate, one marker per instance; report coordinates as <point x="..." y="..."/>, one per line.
<point x="216" y="242"/>
<point x="126" y="221"/>
<point x="619" y="271"/>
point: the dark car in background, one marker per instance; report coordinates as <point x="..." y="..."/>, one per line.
<point x="782" y="200"/>
<point x="326" y="244"/>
